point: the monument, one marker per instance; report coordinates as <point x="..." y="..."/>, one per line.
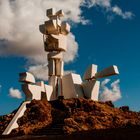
<point x="59" y="85"/>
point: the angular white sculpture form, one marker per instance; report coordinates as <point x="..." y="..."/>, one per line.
<point x="53" y="80"/>
<point x="91" y="89"/>
<point x="37" y="90"/>
<point x="13" y="124"/>
<point x="32" y="92"/>
<point x="51" y="67"/>
<point x="48" y="93"/>
<point x="91" y="85"/>
<point x="55" y="43"/>
<point x="59" y="68"/>
<point x="71" y="86"/>
<point x="27" y="77"/>
<point x="113" y="70"/>
<point x="90" y="72"/>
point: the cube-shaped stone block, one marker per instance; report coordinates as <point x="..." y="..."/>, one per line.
<point x="56" y="43"/>
<point x="71" y="86"/>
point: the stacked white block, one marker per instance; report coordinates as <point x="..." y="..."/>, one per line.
<point x="55" y="43"/>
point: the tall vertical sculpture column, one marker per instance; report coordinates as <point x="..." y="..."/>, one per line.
<point x="55" y="42"/>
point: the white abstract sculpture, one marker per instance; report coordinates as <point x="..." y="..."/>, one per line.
<point x="91" y="85"/>
<point x="71" y="85"/>
<point x="68" y="86"/>
<point x="55" y="43"/>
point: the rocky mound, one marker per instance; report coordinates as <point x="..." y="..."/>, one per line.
<point x="5" y="120"/>
<point x="69" y="116"/>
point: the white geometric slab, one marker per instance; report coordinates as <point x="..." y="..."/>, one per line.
<point x="91" y="89"/>
<point x="51" y="67"/>
<point x="113" y="70"/>
<point x="32" y="92"/>
<point x="53" y="82"/>
<point x="59" y="66"/>
<point x="26" y="77"/>
<point x="71" y="86"/>
<point x="49" y="92"/>
<point x="90" y="72"/>
<point x="13" y="124"/>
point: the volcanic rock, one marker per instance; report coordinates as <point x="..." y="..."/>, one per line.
<point x="69" y="116"/>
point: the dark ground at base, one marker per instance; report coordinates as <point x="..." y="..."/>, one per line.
<point x="108" y="134"/>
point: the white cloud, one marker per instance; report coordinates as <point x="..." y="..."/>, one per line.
<point x="109" y="8"/>
<point x="124" y="15"/>
<point x="20" y="35"/>
<point x="19" y="21"/>
<point x="101" y="3"/>
<point x="72" y="48"/>
<point x="39" y="71"/>
<point x="15" y="93"/>
<point x="110" y="94"/>
<point x="0" y="87"/>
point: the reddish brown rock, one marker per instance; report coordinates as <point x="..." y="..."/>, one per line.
<point x="74" y="115"/>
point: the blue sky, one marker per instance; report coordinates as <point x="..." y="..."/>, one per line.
<point x="100" y="42"/>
